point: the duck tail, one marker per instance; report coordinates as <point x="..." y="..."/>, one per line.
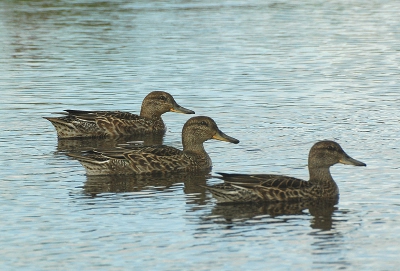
<point x="220" y="194"/>
<point x="59" y="122"/>
<point x="92" y="157"/>
<point x="93" y="164"/>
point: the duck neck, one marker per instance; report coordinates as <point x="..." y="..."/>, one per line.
<point x="192" y="145"/>
<point x="196" y="151"/>
<point x="322" y="177"/>
<point x="149" y="114"/>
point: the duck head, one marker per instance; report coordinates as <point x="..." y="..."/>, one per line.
<point x="157" y="103"/>
<point x="328" y="153"/>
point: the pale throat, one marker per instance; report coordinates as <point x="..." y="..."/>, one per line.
<point x="320" y="174"/>
<point x="193" y="145"/>
<point x="149" y="114"/>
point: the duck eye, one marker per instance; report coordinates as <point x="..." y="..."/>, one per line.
<point x="204" y="123"/>
<point x="331" y="148"/>
<point x="163" y="98"/>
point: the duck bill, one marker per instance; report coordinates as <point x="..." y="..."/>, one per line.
<point x="179" y="109"/>
<point x="223" y="137"/>
<point x="347" y="160"/>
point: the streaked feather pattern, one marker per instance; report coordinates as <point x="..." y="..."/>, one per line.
<point x="153" y="160"/>
<point x="275" y="188"/>
<point x="80" y="123"/>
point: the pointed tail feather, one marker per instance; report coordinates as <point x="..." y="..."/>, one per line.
<point x="58" y="122"/>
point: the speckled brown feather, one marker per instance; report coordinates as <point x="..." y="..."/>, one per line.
<point x="153" y="160"/>
<point x="275" y="188"/>
<point x="79" y="123"/>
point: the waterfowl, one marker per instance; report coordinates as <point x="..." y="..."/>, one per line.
<point x="276" y="188"/>
<point x="79" y="123"/>
<point x="152" y="160"/>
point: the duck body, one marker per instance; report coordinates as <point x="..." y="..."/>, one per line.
<point x="159" y="160"/>
<point x="79" y="123"/>
<point x="270" y="188"/>
<point x="154" y="160"/>
<point x="276" y="188"/>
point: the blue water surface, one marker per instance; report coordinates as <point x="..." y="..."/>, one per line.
<point x="278" y="75"/>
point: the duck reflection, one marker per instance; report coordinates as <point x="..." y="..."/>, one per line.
<point x="86" y="144"/>
<point x="320" y="210"/>
<point x="96" y="185"/>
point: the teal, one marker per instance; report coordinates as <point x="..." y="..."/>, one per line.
<point x="278" y="188"/>
<point x="79" y="124"/>
<point x="162" y="159"/>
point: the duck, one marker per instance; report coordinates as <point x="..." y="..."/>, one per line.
<point x="280" y="188"/>
<point x="159" y="159"/>
<point x="80" y="123"/>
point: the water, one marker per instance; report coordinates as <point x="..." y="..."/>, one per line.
<point x="278" y="75"/>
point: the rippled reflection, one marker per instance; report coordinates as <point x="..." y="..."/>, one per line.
<point x="276" y="74"/>
<point x="321" y="211"/>
<point x="86" y="144"/>
<point x="96" y="185"/>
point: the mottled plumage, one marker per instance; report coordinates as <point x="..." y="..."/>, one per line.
<point x="273" y="188"/>
<point x="79" y="123"/>
<point x="159" y="159"/>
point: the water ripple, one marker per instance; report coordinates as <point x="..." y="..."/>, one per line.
<point x="279" y="76"/>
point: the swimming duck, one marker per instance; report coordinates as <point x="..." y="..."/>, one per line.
<point x="78" y="123"/>
<point x="274" y="188"/>
<point x="162" y="159"/>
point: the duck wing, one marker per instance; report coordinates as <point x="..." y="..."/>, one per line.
<point x="160" y="150"/>
<point x="126" y="151"/>
<point x="263" y="180"/>
<point x="246" y="178"/>
<point x="93" y="115"/>
<point x="158" y="160"/>
<point x="263" y="187"/>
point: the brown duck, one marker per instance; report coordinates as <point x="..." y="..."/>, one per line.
<point x="159" y="159"/>
<point x="79" y="123"/>
<point x="274" y="188"/>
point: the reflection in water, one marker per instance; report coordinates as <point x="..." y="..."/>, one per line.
<point x="96" y="185"/>
<point x="276" y="72"/>
<point x="85" y="144"/>
<point x="320" y="210"/>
